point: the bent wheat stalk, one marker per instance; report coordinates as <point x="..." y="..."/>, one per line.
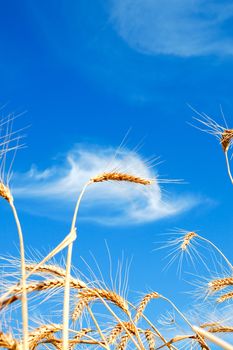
<point x="110" y="176"/>
<point x="66" y="304"/>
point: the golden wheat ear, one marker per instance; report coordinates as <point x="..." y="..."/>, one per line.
<point x="116" y="176"/>
<point x="5" y="192"/>
<point x="226" y="139"/>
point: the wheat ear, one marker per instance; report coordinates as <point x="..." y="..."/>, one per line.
<point x="152" y="326"/>
<point x="8" y="342"/>
<point x="225" y="297"/>
<point x="115" y="332"/>
<point x="220" y="283"/>
<point x="93" y="293"/>
<point x="37" y="287"/>
<point x="187" y="240"/>
<point x="42" y="332"/>
<point x="150" y="339"/>
<point x="116" y="176"/>
<point x="220" y="329"/>
<point x="145" y="300"/>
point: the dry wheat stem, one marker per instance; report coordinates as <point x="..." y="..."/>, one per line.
<point x="116" y="176"/>
<point x="120" y="322"/>
<point x="213" y="338"/>
<point x="72" y="342"/>
<point x="66" y="241"/>
<point x="71" y="236"/>
<point x="23" y="277"/>
<point x="176" y="339"/>
<point x="228" y="166"/>
<point x="201" y="340"/>
<point x="217" y="249"/>
<point x="66" y="303"/>
<point x="98" y="328"/>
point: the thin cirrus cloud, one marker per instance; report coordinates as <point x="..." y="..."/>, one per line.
<point x="175" y="27"/>
<point x="109" y="203"/>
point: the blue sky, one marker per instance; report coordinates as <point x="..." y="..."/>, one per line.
<point x="86" y="73"/>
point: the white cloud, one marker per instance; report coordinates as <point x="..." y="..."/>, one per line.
<point x="107" y="203"/>
<point x="175" y="27"/>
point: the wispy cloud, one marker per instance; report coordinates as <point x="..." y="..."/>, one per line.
<point x="175" y="27"/>
<point x="105" y="203"/>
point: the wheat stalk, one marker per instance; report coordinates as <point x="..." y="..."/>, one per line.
<point x="213" y="338"/>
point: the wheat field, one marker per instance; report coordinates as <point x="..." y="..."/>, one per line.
<point x="117" y="323"/>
